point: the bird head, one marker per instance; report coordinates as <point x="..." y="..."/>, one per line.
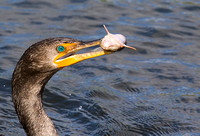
<point x="56" y="53"/>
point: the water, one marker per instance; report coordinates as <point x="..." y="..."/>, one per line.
<point x="152" y="91"/>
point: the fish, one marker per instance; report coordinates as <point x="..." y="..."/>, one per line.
<point x="114" y="42"/>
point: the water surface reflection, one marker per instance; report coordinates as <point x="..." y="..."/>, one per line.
<point x="152" y="91"/>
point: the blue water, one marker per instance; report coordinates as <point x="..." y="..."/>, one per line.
<point x="152" y="91"/>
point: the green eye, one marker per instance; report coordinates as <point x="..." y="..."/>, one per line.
<point x="61" y="48"/>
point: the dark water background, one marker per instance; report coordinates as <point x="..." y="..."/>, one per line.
<point x="152" y="91"/>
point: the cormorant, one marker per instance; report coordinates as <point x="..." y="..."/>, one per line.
<point x="36" y="66"/>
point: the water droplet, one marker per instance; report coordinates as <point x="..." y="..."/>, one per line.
<point x="80" y="107"/>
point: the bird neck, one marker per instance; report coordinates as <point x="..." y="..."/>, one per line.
<point x="27" y="91"/>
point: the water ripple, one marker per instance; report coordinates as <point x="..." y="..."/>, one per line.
<point x="151" y="91"/>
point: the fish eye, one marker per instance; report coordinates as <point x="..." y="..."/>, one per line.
<point x="60" y="48"/>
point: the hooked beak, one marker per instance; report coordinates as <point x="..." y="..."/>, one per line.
<point x="68" y="56"/>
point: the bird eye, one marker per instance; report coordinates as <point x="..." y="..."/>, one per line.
<point x="60" y="48"/>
